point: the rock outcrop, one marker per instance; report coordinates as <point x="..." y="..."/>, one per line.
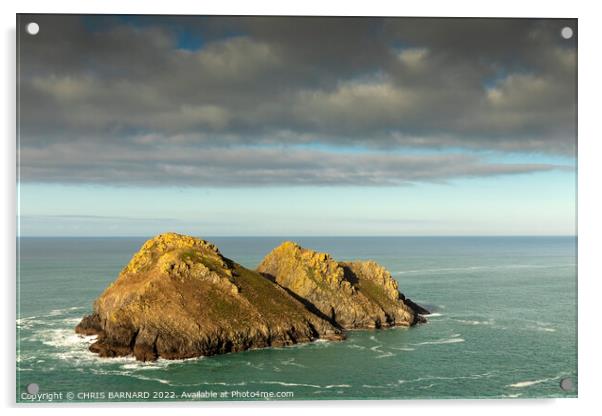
<point x="179" y="298"/>
<point x="352" y="295"/>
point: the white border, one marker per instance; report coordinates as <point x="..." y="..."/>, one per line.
<point x="589" y="210"/>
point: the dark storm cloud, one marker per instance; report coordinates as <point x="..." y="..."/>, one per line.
<point x="131" y="86"/>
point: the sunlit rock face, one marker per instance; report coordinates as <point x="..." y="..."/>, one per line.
<point x="352" y="295"/>
<point x="179" y="298"/>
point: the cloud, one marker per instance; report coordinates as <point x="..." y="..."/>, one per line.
<point x="219" y="166"/>
<point x="115" y="99"/>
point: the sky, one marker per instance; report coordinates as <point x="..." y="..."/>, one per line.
<point x="294" y="126"/>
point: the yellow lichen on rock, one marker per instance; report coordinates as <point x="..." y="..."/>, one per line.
<point x="319" y="267"/>
<point x="373" y="271"/>
<point x="167" y="242"/>
<point x="359" y="294"/>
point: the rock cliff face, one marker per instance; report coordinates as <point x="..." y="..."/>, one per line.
<point x="179" y="298"/>
<point x="359" y="294"/>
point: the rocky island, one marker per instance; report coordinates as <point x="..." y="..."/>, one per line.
<point x="354" y="295"/>
<point x="179" y="297"/>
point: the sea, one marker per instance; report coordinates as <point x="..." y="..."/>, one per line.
<point x="503" y="324"/>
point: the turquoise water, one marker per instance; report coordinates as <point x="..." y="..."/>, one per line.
<point x="503" y="325"/>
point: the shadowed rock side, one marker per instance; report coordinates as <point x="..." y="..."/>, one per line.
<point x="180" y="298"/>
<point x="359" y="294"/>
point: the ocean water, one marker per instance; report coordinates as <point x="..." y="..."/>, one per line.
<point x="503" y="325"/>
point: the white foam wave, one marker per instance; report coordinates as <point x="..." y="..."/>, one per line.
<point x="63" y="338"/>
<point x="160" y="380"/>
<point x="208" y="383"/>
<point x="474" y="322"/>
<point x="128" y="362"/>
<point x="433" y="315"/>
<point x="57" y="312"/>
<point x="291" y="362"/>
<point x="139" y="365"/>
<point x="255" y="366"/>
<point x="130" y="367"/>
<point x="528" y="383"/>
<point x="284" y="383"/>
<point x="318" y="343"/>
<point x="73" y="347"/>
<point x="29" y="322"/>
<point x="317" y="386"/>
<point x="223" y="383"/>
<point x="50" y="319"/>
<point x="355" y="346"/>
<point x="452" y="340"/>
<point x="128" y="373"/>
<point x="539" y="328"/>
<point x="82" y="356"/>
<point x="429" y="378"/>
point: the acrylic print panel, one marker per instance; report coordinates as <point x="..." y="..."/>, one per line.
<point x="295" y="208"/>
